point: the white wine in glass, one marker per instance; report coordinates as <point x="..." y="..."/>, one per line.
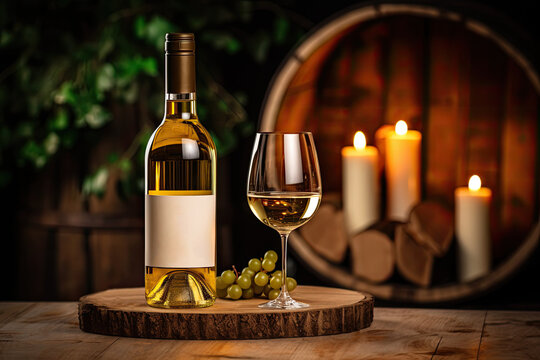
<point x="284" y="191"/>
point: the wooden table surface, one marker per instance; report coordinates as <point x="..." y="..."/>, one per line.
<point x="50" y="330"/>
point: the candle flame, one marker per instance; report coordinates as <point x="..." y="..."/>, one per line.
<point x="475" y="183"/>
<point x="359" y="140"/>
<point x="401" y="127"/>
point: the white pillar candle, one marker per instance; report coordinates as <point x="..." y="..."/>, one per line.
<point x="360" y="184"/>
<point x="472" y="230"/>
<point x="402" y="165"/>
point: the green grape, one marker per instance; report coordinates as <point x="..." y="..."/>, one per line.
<point x="228" y="277"/>
<point x="275" y="282"/>
<point x="291" y="284"/>
<point x="247" y="293"/>
<point x="267" y="289"/>
<point x="220" y="284"/>
<point x="249" y="272"/>
<point x="274" y="293"/>
<point x="260" y="279"/>
<point x="234" y="292"/>
<point x="277" y="273"/>
<point x="268" y="264"/>
<point x="244" y="281"/>
<point x="222" y="293"/>
<point x="258" y="289"/>
<point x="254" y="264"/>
<point x="271" y="255"/>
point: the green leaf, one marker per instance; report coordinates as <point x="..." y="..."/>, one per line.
<point x="217" y="142"/>
<point x="222" y="41"/>
<point x="105" y="48"/>
<point x="96" y="117"/>
<point x="149" y="66"/>
<point x="96" y="183"/>
<point x="66" y="94"/>
<point x="69" y="138"/>
<point x="225" y="142"/>
<point x="143" y="142"/>
<point x="145" y="137"/>
<point x="154" y="31"/>
<point x="222" y="105"/>
<point x="246" y="128"/>
<point x="60" y="120"/>
<point x="281" y="28"/>
<point x="241" y="97"/>
<point x="128" y="68"/>
<point x="125" y="165"/>
<point x="233" y="46"/>
<point x="140" y="185"/>
<point x="24" y="75"/>
<point x="51" y="143"/>
<point x="113" y="157"/>
<point x="260" y="46"/>
<point x="5" y="38"/>
<point x="34" y="153"/>
<point x="25" y="129"/>
<point x="129" y="95"/>
<point x="105" y="78"/>
<point x="140" y="26"/>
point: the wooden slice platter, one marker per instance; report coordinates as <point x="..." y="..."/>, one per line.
<point x="123" y="312"/>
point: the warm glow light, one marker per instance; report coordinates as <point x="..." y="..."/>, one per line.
<point x="475" y="183"/>
<point x="401" y="127"/>
<point x="359" y="140"/>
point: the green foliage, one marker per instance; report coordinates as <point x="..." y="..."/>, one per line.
<point x="67" y="64"/>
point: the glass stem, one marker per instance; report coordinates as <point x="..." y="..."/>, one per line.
<point x="284" y="292"/>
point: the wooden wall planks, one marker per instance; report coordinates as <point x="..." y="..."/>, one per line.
<point x="519" y="149"/>
<point x="66" y="262"/>
<point x="71" y="262"/>
<point x="367" y="83"/>
<point x="405" y="73"/>
<point x="448" y="85"/>
<point x="35" y="278"/>
<point x="117" y="256"/>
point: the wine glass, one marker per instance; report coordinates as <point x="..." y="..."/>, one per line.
<point x="284" y="191"/>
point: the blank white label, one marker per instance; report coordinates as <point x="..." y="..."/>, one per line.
<point x="180" y="231"/>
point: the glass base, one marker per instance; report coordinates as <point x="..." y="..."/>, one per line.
<point x="284" y="303"/>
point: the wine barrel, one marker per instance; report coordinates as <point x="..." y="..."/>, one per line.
<point x="471" y="92"/>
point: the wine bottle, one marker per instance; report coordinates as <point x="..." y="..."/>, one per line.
<point x="180" y="199"/>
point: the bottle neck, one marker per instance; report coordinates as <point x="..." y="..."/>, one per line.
<point x="180" y="75"/>
<point x="180" y="85"/>
<point x="181" y="106"/>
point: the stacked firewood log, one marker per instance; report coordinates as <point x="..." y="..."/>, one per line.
<point x="409" y="247"/>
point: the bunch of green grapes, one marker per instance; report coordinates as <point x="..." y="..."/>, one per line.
<point x="255" y="280"/>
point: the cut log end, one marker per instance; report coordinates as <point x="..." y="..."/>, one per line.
<point x="326" y="234"/>
<point x="414" y="262"/>
<point x="432" y="226"/>
<point x="373" y="256"/>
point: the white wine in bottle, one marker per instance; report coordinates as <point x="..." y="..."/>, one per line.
<point x="180" y="204"/>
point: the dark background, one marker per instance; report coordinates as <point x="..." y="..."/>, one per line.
<point x="245" y="237"/>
